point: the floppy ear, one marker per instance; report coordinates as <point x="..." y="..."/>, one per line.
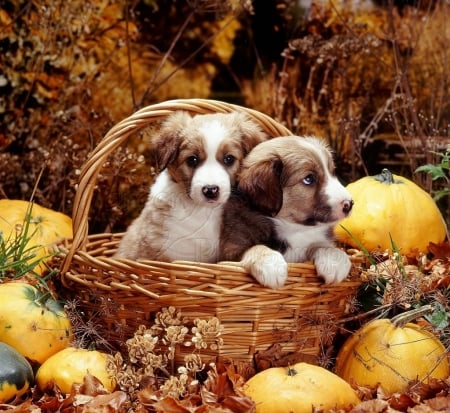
<point x="165" y="145"/>
<point x="252" y="134"/>
<point x="261" y="185"/>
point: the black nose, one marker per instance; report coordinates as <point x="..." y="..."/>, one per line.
<point x="210" y="191"/>
<point x="347" y="206"/>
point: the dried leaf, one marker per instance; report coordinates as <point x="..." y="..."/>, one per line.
<point x="439" y="403"/>
<point x="440" y="251"/>
<point x="274" y="357"/>
<point x="91" y="386"/>
<point x="104" y="403"/>
<point x="401" y="402"/>
<point x="170" y="405"/>
<point x="26" y="407"/>
<point x="371" y="406"/>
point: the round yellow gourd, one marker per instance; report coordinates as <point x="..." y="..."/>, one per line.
<point x="31" y="322"/>
<point x="46" y="227"/>
<point x="70" y="366"/>
<point x="390" y="208"/>
<point x="299" y="389"/>
<point x="392" y="353"/>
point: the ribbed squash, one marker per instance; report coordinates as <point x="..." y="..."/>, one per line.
<point x="390" y="208"/>
<point x="392" y="353"/>
<point x="70" y="366"/>
<point x="46" y="227"/>
<point x="31" y="322"/>
<point x="299" y="389"/>
<point x="16" y="374"/>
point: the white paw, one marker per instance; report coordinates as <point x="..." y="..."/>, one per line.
<point x="267" y="266"/>
<point x="332" y="264"/>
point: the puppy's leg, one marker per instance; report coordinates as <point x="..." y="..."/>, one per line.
<point x="267" y="266"/>
<point x="332" y="264"/>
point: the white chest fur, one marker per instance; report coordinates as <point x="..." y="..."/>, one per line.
<point x="301" y="238"/>
<point x="191" y="229"/>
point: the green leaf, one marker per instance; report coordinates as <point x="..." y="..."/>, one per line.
<point x="436" y="172"/>
<point x="439" y="319"/>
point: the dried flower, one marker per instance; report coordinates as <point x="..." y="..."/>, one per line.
<point x="150" y="361"/>
<point x="174" y="335"/>
<point x="193" y="363"/>
<point x="207" y="332"/>
<point x="142" y="343"/>
<point x="175" y="386"/>
<point x="167" y="317"/>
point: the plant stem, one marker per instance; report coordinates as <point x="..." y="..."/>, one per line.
<point x="385" y="177"/>
<point x="401" y="319"/>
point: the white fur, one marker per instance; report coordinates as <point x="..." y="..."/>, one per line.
<point x="211" y="172"/>
<point x="267" y="266"/>
<point x="186" y="221"/>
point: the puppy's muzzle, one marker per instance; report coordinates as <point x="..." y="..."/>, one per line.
<point x="210" y="191"/>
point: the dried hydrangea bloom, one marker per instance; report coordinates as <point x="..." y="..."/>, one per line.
<point x="193" y="363"/>
<point x="207" y="332"/>
<point x="169" y="316"/>
<point x="128" y="379"/>
<point x="174" y="335"/>
<point x="139" y="346"/>
<point x="153" y="362"/>
<point x="114" y="363"/>
<point x="175" y="386"/>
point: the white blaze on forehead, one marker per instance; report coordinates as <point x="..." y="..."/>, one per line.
<point x="334" y="190"/>
<point x="211" y="172"/>
<point x="213" y="132"/>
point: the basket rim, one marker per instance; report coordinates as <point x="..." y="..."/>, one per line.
<point x="121" y="131"/>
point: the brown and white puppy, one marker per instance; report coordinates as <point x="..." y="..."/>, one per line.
<point x="199" y="157"/>
<point x="287" y="203"/>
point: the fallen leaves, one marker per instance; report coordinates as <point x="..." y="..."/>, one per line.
<point x="87" y="397"/>
<point x="420" y="398"/>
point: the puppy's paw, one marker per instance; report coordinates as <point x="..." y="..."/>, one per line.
<point x="332" y="264"/>
<point x="267" y="266"/>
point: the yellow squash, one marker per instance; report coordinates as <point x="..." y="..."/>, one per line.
<point x="299" y="389"/>
<point x="392" y="353"/>
<point x="46" y="227"/>
<point x="31" y="322"/>
<point x="391" y="206"/>
<point x="70" y="366"/>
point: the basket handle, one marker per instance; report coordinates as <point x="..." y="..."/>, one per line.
<point x="128" y="126"/>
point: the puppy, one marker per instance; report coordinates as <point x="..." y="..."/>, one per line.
<point x="199" y="157"/>
<point x="288" y="201"/>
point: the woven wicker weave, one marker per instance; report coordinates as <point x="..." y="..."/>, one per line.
<point x="119" y="295"/>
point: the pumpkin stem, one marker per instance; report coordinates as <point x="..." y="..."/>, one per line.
<point x="385" y="177"/>
<point x="291" y="372"/>
<point x="401" y="319"/>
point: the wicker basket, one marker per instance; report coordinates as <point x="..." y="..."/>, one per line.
<point x="119" y="295"/>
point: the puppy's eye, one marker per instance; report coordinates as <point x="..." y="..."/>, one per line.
<point x="309" y="179"/>
<point x="229" y="160"/>
<point x="192" y="161"/>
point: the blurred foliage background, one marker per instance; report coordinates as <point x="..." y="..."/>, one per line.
<point x="371" y="78"/>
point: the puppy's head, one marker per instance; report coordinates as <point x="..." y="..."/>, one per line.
<point x="292" y="178"/>
<point x="203" y="153"/>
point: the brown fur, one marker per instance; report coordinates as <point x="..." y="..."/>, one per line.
<point x="173" y="225"/>
<point x="280" y="194"/>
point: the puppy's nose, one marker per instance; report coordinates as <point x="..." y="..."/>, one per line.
<point x="347" y="206"/>
<point x="210" y="191"/>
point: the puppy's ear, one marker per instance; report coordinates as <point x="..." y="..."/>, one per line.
<point x="252" y="134"/>
<point x="261" y="184"/>
<point x="165" y="145"/>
